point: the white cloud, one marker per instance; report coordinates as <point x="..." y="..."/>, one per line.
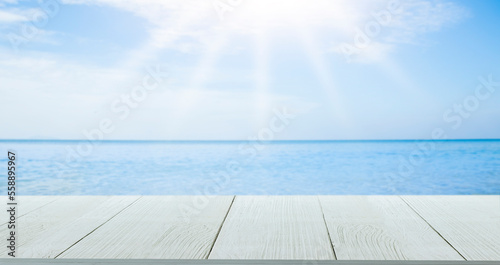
<point x="11" y="17"/>
<point x="373" y="39"/>
<point x="23" y="25"/>
<point x="419" y="17"/>
<point x="36" y="71"/>
<point x="190" y="25"/>
<point x="216" y="114"/>
<point x="58" y="99"/>
<point x="52" y="89"/>
<point x="174" y="24"/>
<point x="372" y="53"/>
<point x="10" y="2"/>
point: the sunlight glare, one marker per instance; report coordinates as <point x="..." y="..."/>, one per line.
<point x="287" y="13"/>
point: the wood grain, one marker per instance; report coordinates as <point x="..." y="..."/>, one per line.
<point x="273" y="227"/>
<point x="158" y="227"/>
<point x="47" y="231"/>
<point x="27" y="204"/>
<point x="258" y="227"/>
<point x="381" y="228"/>
<point x="470" y="223"/>
<point x="233" y="262"/>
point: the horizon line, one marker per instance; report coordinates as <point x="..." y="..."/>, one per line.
<point x="256" y="140"/>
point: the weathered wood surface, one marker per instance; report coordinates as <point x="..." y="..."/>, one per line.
<point x="381" y="228"/>
<point x="274" y="227"/>
<point x="233" y="262"/>
<point x="257" y="227"/>
<point x="470" y="223"/>
<point x="158" y="227"/>
<point x="27" y="204"/>
<point x="47" y="231"/>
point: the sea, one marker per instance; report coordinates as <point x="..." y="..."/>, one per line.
<point x="399" y="167"/>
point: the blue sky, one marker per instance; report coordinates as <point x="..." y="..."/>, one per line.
<point x="342" y="69"/>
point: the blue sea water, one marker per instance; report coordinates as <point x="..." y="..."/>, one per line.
<point x="272" y="168"/>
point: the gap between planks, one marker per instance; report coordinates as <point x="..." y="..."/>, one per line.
<point x="24" y="261"/>
<point x="98" y="227"/>
<point x="327" y="229"/>
<point x="411" y="207"/>
<point x="220" y="228"/>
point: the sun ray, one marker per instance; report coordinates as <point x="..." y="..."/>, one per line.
<point x="202" y="73"/>
<point x="138" y="58"/>
<point x="261" y="78"/>
<point x="399" y="76"/>
<point x="324" y="74"/>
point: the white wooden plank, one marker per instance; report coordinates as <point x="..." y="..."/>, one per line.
<point x="25" y="205"/>
<point x="273" y="227"/>
<point x="362" y="227"/>
<point x="48" y="231"/>
<point x="470" y="223"/>
<point x="158" y="227"/>
<point x="381" y="228"/>
<point x="233" y="262"/>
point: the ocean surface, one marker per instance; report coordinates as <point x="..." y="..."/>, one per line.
<point x="273" y="168"/>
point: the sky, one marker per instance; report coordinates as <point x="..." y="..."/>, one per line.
<point x="241" y="69"/>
